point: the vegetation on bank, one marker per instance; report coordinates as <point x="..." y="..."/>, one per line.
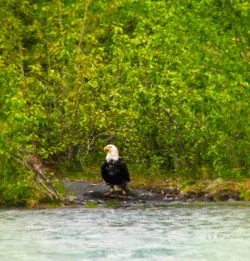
<point x="166" y="81"/>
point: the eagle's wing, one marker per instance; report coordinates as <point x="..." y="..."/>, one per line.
<point x="104" y="170"/>
<point x="124" y="170"/>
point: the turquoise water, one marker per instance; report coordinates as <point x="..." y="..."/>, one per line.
<point x="172" y="233"/>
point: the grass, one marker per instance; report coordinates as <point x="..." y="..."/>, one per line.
<point x="113" y="203"/>
<point x="153" y="182"/>
<point x="90" y="204"/>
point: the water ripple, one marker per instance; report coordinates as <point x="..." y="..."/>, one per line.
<point x="174" y="233"/>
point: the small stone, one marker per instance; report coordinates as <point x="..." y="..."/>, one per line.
<point x="231" y="200"/>
<point x="72" y="198"/>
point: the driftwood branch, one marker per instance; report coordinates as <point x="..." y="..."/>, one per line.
<point x="35" y="164"/>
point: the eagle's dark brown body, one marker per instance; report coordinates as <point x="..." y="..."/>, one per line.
<point x="115" y="172"/>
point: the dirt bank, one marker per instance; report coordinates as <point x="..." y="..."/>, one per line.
<point x="82" y="193"/>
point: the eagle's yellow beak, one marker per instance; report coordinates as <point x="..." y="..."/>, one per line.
<point x="106" y="148"/>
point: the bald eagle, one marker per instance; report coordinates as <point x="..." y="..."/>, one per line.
<point x="114" y="170"/>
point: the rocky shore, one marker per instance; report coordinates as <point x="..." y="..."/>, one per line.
<point x="93" y="195"/>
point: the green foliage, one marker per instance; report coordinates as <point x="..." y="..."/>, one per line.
<point x="15" y="189"/>
<point x="90" y="204"/>
<point x="167" y="81"/>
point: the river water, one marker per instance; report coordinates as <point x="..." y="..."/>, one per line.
<point x="211" y="232"/>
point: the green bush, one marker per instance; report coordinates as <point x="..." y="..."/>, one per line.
<point x="166" y="81"/>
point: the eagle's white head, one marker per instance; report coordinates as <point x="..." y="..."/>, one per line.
<point x="113" y="153"/>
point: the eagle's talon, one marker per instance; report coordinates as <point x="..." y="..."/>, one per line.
<point x="111" y="191"/>
<point x="124" y="193"/>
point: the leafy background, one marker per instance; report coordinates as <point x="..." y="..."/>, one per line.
<point x="166" y="81"/>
